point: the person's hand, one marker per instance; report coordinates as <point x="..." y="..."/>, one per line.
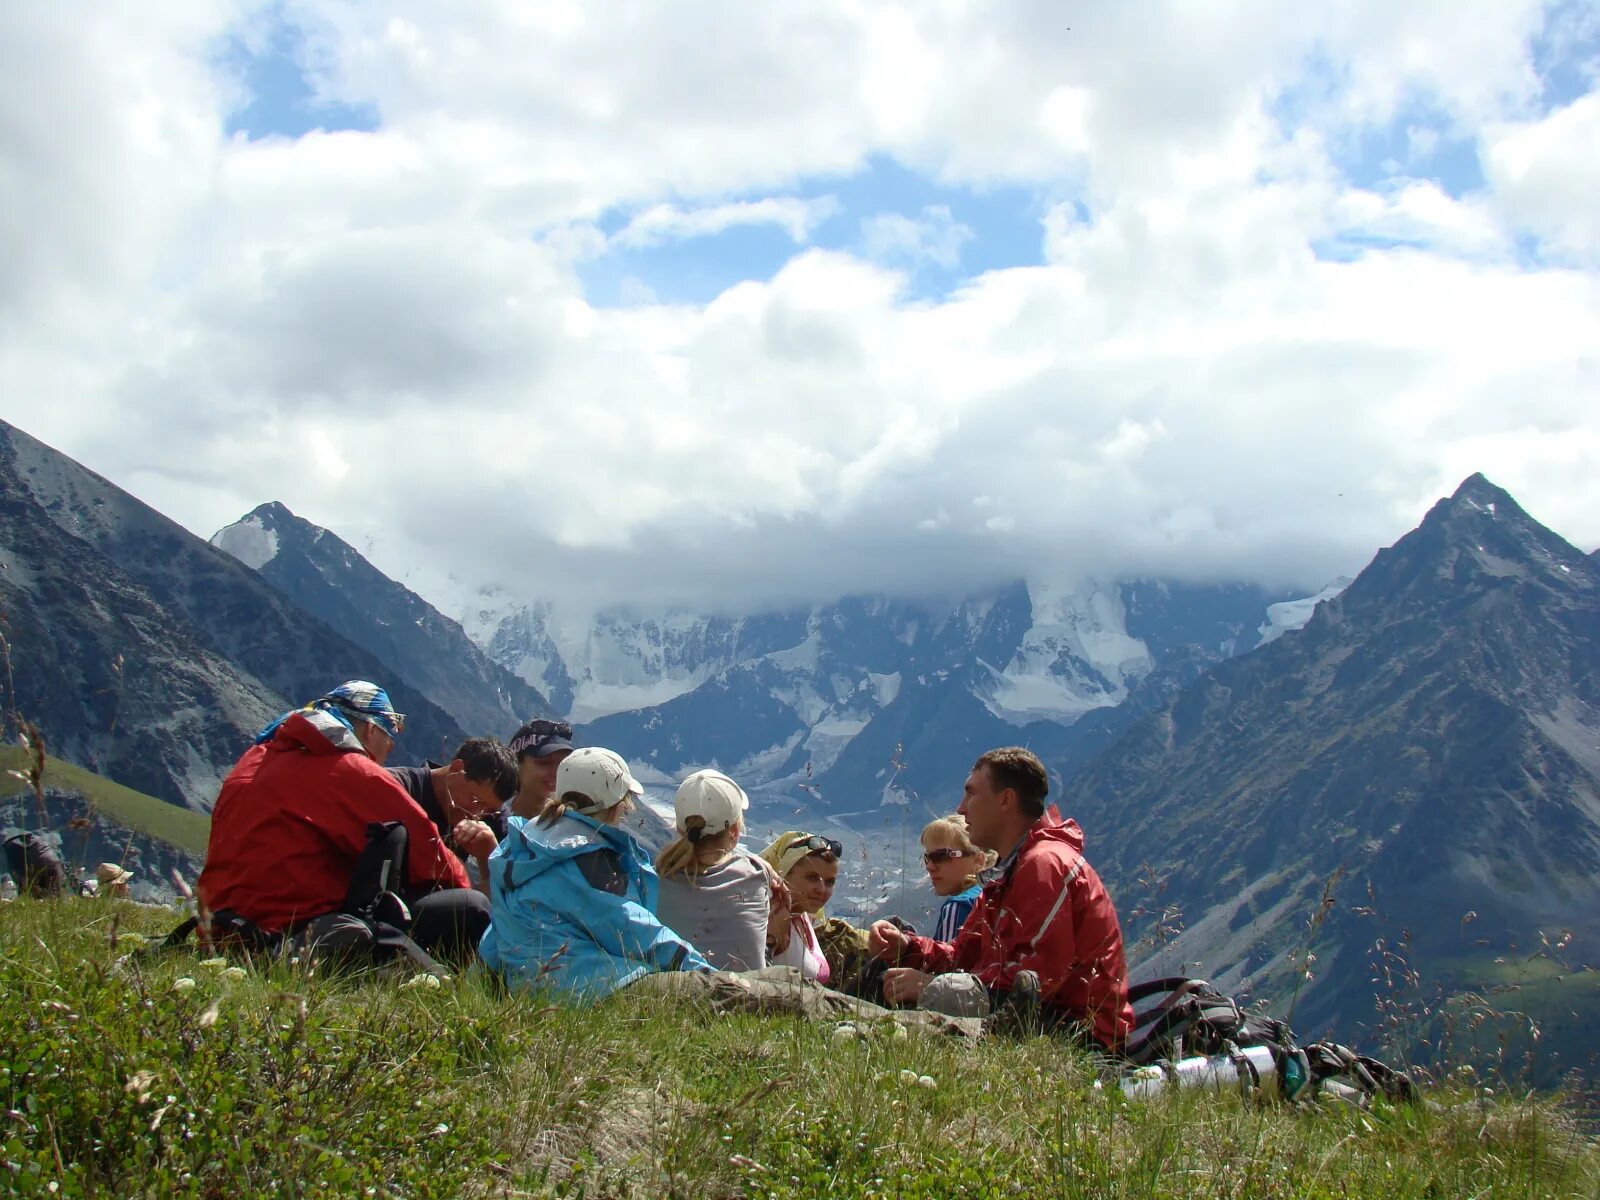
<point x="885" y="940"/>
<point x="474" y="838"/>
<point x="780" y="927"/>
<point x="903" y="985"/>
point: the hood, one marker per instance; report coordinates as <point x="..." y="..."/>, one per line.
<point x="536" y="848"/>
<point x="315" y="731"/>
<point x="1051" y="828"/>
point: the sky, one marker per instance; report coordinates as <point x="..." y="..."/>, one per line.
<point x="727" y="304"/>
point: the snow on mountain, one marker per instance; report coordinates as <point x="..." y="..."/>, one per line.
<point x="1076" y="656"/>
<point x="250" y="541"/>
<point x="1292" y="615"/>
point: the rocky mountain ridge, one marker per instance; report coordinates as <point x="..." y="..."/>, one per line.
<point x="1429" y="743"/>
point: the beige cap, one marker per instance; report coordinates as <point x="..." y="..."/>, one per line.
<point x="602" y="775"/>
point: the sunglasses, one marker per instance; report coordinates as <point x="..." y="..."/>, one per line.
<point x="943" y="854"/>
<point x="814" y="843"/>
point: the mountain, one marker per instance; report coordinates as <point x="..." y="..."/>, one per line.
<point x="1430" y="740"/>
<point x="870" y="701"/>
<point x="153" y="655"/>
<point x="326" y="576"/>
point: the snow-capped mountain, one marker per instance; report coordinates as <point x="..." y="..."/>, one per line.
<point x="869" y="701"/>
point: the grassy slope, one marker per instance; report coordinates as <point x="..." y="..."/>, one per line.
<point x="134" y="810"/>
<point x="121" y="1083"/>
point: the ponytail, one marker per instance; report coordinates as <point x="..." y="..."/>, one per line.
<point x="693" y="850"/>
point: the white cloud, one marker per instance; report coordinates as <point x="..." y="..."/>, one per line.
<point x="388" y="330"/>
<point x="936" y="237"/>
<point x="667" y="222"/>
<point x="1546" y="176"/>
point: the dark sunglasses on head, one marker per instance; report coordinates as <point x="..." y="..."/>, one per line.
<point x="815" y="843"/>
<point x="943" y="854"/>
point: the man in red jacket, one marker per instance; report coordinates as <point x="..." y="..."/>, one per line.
<point x="1043" y="909"/>
<point x="292" y="819"/>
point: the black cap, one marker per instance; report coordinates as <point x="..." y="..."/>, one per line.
<point x="542" y="736"/>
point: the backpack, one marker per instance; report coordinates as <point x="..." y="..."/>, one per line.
<point x="1193" y="1019"/>
<point x="370" y="927"/>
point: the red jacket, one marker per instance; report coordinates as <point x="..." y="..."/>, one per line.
<point x="292" y="818"/>
<point x="1047" y="913"/>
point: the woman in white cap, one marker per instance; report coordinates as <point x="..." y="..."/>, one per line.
<point x="713" y="891"/>
<point x="573" y="897"/>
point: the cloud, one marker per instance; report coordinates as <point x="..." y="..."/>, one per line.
<point x="1546" y="176"/>
<point x="936" y="238"/>
<point x="667" y="222"/>
<point x="1229" y="359"/>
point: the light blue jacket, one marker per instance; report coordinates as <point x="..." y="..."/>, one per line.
<point x="552" y="928"/>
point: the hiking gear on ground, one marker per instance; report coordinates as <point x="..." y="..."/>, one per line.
<point x="956" y="994"/>
<point x="540" y="737"/>
<point x="1193" y="1023"/>
<point x="35" y="865"/>
<point x="1046" y="912"/>
<point x="1253" y="1068"/>
<point x="601" y="775"/>
<point x="714" y="798"/>
<point x="291" y="822"/>
<point x="551" y="928"/>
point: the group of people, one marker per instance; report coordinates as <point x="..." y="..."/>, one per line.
<point x="517" y="854"/>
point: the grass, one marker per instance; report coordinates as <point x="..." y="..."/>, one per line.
<point x="181" y="827"/>
<point x="118" y="1078"/>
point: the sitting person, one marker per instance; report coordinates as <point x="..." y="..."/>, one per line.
<point x="828" y="950"/>
<point x="1043" y="911"/>
<point x="573" y="896"/>
<point x="715" y="893"/>
<point x="291" y="823"/>
<point x="463" y="799"/>
<point x="539" y="747"/>
<point x="953" y="863"/>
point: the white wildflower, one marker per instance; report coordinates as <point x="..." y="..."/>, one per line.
<point x="927" y="1081"/>
<point x="908" y="1077"/>
<point x="209" y="1017"/>
<point x="235" y="973"/>
<point x="845" y="1033"/>
<point x="423" y="981"/>
<point x="213" y="964"/>
<point x="183" y="984"/>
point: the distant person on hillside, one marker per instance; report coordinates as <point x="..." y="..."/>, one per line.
<point x="539" y="747"/>
<point x="953" y="863"/>
<point x="574" y="896"/>
<point x="828" y="950"/>
<point x="292" y="822"/>
<point x="35" y="866"/>
<point x="464" y="798"/>
<point x="112" y="879"/>
<point x="1042" y="926"/>
<point x="714" y="893"/>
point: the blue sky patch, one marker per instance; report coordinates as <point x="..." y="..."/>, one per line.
<point x="282" y="102"/>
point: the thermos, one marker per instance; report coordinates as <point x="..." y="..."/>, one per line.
<point x="1246" y="1069"/>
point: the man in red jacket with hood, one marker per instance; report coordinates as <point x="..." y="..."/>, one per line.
<point x="292" y="819"/>
<point x="1043" y="909"/>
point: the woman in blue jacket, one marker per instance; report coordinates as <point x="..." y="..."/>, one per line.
<point x="573" y="897"/>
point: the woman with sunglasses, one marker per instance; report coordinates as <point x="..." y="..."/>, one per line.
<point x="953" y="863"/>
<point x="828" y="950"/>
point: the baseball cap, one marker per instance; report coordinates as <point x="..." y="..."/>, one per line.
<point x="599" y="774"/>
<point x="540" y="737"/>
<point x="712" y="796"/>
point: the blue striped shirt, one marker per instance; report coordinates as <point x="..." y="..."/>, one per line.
<point x="953" y="915"/>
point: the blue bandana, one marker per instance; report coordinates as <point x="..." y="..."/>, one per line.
<point x="356" y="700"/>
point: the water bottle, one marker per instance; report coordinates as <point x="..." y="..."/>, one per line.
<point x="1220" y="1072"/>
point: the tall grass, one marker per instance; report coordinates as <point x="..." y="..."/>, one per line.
<point x="120" y="1079"/>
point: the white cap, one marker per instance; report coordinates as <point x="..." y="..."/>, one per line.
<point x="713" y="796"/>
<point x="599" y="774"/>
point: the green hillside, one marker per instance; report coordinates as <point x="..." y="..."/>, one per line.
<point x="176" y="1076"/>
<point x="181" y="827"/>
